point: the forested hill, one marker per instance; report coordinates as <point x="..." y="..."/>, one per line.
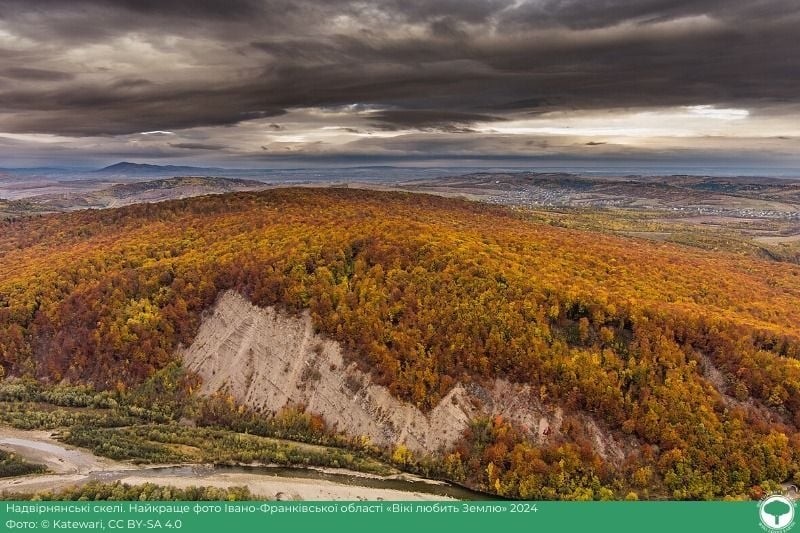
<point x="693" y="353"/>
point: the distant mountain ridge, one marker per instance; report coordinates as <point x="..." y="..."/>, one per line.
<point x="126" y="167"/>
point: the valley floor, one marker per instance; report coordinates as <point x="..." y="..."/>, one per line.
<point x="71" y="466"/>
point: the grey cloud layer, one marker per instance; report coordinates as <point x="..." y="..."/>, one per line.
<point x="425" y="64"/>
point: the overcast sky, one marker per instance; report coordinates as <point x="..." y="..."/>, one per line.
<point x="260" y="83"/>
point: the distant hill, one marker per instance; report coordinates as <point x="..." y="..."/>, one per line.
<point x="125" y="190"/>
<point x="143" y="169"/>
<point x="156" y="190"/>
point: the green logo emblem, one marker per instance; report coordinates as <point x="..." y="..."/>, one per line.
<point x="776" y="513"/>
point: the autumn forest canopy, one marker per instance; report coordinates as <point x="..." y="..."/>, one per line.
<point x="691" y="354"/>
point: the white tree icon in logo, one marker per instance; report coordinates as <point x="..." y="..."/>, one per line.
<point x="776" y="512"/>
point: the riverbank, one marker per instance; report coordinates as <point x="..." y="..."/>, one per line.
<point x="71" y="466"/>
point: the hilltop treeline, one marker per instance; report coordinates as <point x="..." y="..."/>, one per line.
<point x="425" y="292"/>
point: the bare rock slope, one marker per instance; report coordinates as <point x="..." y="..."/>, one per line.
<point x="267" y="359"/>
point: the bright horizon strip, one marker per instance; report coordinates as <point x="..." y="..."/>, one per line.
<point x="687" y="121"/>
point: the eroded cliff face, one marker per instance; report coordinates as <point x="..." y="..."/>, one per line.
<point x="268" y="359"/>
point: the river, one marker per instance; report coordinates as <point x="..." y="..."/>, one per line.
<point x="74" y="466"/>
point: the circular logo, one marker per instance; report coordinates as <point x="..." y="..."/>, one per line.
<point x="776" y="512"/>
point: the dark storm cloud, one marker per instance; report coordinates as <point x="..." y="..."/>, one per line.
<point x="35" y="74"/>
<point x="427" y="119"/>
<point x="425" y="64"/>
<point x="91" y="20"/>
<point x="198" y="8"/>
<point x="132" y="83"/>
<point x="469" y="11"/>
<point x="579" y="14"/>
<point x="86" y="110"/>
<point x="197" y="146"/>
